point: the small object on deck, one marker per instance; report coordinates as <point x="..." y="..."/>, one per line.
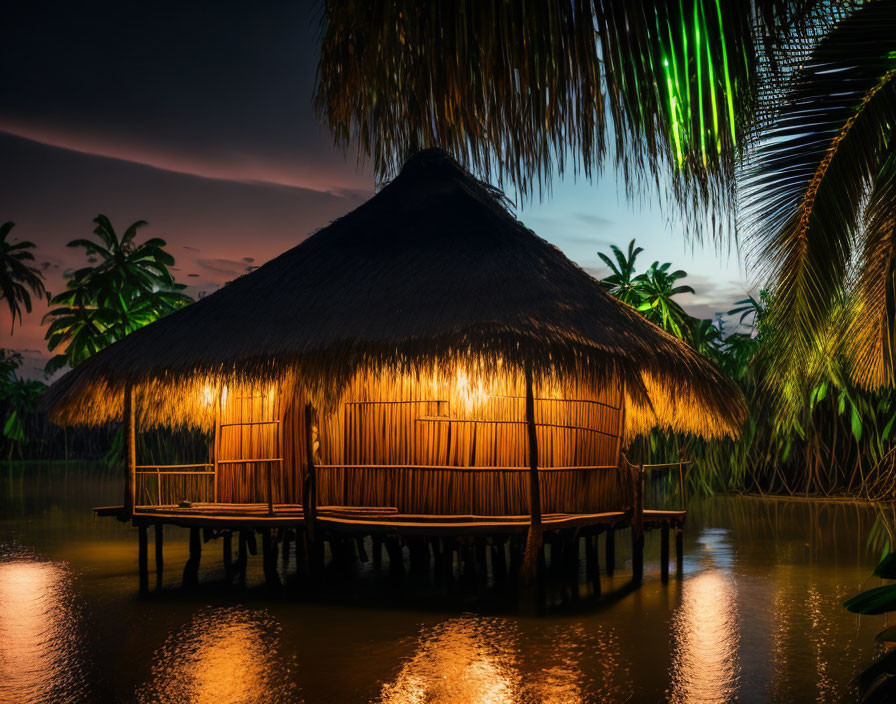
<point x="185" y="504"/>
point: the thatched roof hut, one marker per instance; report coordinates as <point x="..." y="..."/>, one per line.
<point x="431" y="272"/>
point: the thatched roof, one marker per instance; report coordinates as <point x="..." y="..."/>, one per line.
<point x="430" y="271"/>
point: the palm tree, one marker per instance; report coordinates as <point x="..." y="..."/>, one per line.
<point x="515" y="90"/>
<point x="656" y="287"/>
<point x="18" y="278"/>
<point x="127" y="286"/>
<point x="820" y="196"/>
<point x="622" y="280"/>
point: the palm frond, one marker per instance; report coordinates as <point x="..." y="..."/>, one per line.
<point x="871" y="334"/>
<point x="517" y="90"/>
<point x="808" y="179"/>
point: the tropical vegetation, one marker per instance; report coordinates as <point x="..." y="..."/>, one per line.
<point x="19" y="278"/>
<point x="126" y="285"/>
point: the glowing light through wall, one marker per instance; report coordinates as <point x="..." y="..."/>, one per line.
<point x="471" y="393"/>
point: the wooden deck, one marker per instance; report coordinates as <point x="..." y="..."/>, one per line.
<point x="350" y="519"/>
<point x="442" y="544"/>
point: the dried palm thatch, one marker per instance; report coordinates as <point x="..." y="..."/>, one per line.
<point x="430" y="274"/>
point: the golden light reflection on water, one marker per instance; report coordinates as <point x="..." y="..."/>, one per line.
<point x="224" y="656"/>
<point x="40" y="639"/>
<point x="473" y="660"/>
<point x="706" y="633"/>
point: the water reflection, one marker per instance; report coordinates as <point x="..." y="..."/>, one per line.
<point x="490" y="661"/>
<point x="224" y="656"/>
<point x="41" y="658"/>
<point x="705" y="629"/>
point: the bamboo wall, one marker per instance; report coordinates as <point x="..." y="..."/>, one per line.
<point x="426" y="445"/>
<point x="418" y="429"/>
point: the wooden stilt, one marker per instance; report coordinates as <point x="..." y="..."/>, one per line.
<point x="309" y="496"/>
<point x="499" y="560"/>
<point x="638" y="527"/>
<point x="377" y="553"/>
<point x="533" y="538"/>
<point x="664" y="552"/>
<point x="284" y="548"/>
<point x="269" y="558"/>
<point x="679" y="551"/>
<point x="142" y="558"/>
<point x="227" y="551"/>
<point x="242" y="556"/>
<point x="301" y="555"/>
<point x="396" y="557"/>
<point x="160" y="560"/>
<point x="361" y="550"/>
<point x="610" y="544"/>
<point x="191" y="569"/>
<point x="595" y="575"/>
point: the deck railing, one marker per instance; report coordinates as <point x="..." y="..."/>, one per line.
<point x="193" y="482"/>
<point x="670" y="467"/>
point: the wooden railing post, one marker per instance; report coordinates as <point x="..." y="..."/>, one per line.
<point x="130" y="431"/>
<point x="533" y="539"/>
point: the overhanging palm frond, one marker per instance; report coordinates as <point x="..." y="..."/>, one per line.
<point x="808" y="179"/>
<point x="515" y="89"/>
<point x="871" y="334"/>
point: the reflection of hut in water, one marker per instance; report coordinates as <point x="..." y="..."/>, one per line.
<point x="222" y="655"/>
<point x="425" y="355"/>
<point x="491" y="660"/>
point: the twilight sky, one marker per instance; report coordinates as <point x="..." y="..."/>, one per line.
<point x="197" y="117"/>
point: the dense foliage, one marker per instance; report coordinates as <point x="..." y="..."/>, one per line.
<point x="817" y="434"/>
<point x="127" y="285"/>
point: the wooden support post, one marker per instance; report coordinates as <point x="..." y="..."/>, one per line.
<point x="396" y="557"/>
<point x="142" y="558"/>
<point x="284" y="547"/>
<point x="269" y="558"/>
<point x="638" y="527"/>
<point x="592" y="561"/>
<point x="361" y="550"/>
<point x="160" y="560"/>
<point x="533" y="538"/>
<point x="610" y="543"/>
<point x="499" y="560"/>
<point x="217" y="440"/>
<point x="242" y="555"/>
<point x="377" y="553"/>
<point x="309" y="496"/>
<point x="130" y="439"/>
<point x="191" y="569"/>
<point x="679" y="551"/>
<point x="664" y="552"/>
<point x="228" y="555"/>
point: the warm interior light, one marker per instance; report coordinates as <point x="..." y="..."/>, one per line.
<point x="470" y="394"/>
<point x="207" y="397"/>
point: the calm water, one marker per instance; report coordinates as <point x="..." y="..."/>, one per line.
<point x="756" y="617"/>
